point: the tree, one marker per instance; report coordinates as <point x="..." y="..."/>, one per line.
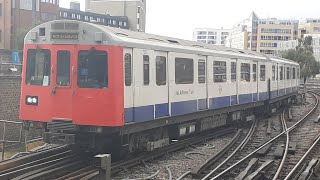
<point x="303" y="54"/>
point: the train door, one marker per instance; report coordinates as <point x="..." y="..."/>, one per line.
<point x="201" y="84"/>
<point x="162" y="84"/>
<point x="128" y="85"/>
<point x="61" y="85"/>
<point x="98" y="85"/>
<point x="144" y="85"/>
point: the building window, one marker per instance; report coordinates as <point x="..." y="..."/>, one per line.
<point x="114" y="22"/>
<point x="65" y="14"/>
<point x="86" y="18"/>
<point x="0" y="9"/>
<point x="254" y="70"/>
<point x="93" y="69"/>
<point x="0" y="35"/>
<point x="262" y="72"/>
<point x="201" y="71"/>
<point x="73" y="16"/>
<point x="273" y="73"/>
<point x="120" y="23"/>
<point x="146" y="70"/>
<point x="125" y="24"/>
<point x="245" y="72"/>
<point x="183" y="71"/>
<point x="127" y="69"/>
<point x="219" y="71"/>
<point x="78" y="16"/>
<point x="233" y="71"/>
<point x="161" y="70"/>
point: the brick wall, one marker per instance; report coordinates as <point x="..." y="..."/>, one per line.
<point x="10" y="87"/>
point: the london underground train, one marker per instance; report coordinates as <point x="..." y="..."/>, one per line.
<point x="112" y="89"/>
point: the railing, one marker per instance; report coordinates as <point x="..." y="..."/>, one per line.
<point x="15" y="137"/>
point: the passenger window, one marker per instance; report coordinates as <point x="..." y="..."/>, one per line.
<point x="38" y="67"/>
<point x="161" y="70"/>
<point x="298" y="73"/>
<point x="201" y="71"/>
<point x="262" y="72"/>
<point x="273" y="73"/>
<point x="219" y="71"/>
<point x="63" y="68"/>
<point x="281" y="73"/>
<point x="92" y="69"/>
<point x="127" y="69"/>
<point x="293" y="73"/>
<point x="254" y="70"/>
<point x="146" y="70"/>
<point x="184" y="71"/>
<point x="245" y="72"/>
<point x="233" y="71"/>
<point x="288" y="73"/>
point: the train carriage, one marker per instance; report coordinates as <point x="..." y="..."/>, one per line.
<point x="96" y="85"/>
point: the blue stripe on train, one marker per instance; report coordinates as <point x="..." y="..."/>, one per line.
<point x="202" y="104"/>
<point x="234" y="100"/>
<point x="274" y="94"/>
<point x="263" y="96"/>
<point x="220" y="102"/>
<point x="162" y="110"/>
<point x="245" y="98"/>
<point x="282" y="92"/>
<point x="147" y="113"/>
<point x="184" y="107"/>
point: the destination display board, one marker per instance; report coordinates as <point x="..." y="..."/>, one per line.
<point x="64" y="36"/>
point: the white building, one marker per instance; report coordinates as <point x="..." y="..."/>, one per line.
<point x="286" y="45"/>
<point x="211" y="36"/>
<point x="135" y="10"/>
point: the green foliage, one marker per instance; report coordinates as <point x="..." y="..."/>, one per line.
<point x="303" y="54"/>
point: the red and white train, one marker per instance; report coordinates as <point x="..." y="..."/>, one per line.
<point x="111" y="88"/>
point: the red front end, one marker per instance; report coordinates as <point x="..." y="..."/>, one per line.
<point x="78" y="83"/>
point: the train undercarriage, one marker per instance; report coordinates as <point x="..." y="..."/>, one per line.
<point x="149" y="136"/>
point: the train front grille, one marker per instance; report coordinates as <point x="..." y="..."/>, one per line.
<point x="59" y="125"/>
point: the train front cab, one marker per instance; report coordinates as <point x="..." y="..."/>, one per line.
<point x="68" y="84"/>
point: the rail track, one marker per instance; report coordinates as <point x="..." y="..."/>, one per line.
<point x="261" y="161"/>
<point x="69" y="162"/>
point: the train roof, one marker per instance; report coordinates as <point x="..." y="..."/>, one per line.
<point x="89" y="33"/>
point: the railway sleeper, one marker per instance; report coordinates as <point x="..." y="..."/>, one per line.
<point x="308" y="172"/>
<point x="252" y="164"/>
<point x="259" y="173"/>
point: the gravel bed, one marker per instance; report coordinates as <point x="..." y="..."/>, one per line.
<point x="178" y="162"/>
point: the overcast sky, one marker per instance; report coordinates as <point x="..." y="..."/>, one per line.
<point x="178" y="18"/>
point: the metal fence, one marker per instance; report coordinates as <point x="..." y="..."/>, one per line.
<point x="12" y="133"/>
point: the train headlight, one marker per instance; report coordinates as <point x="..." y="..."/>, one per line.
<point x="29" y="100"/>
<point x="32" y="100"/>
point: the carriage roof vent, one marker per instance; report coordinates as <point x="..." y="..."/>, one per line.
<point x="122" y="34"/>
<point x="173" y="41"/>
<point x="197" y="45"/>
<point x="155" y="39"/>
<point x="241" y="52"/>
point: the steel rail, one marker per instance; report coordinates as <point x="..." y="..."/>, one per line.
<point x="295" y="168"/>
<point x="284" y="157"/>
<point x="270" y="141"/>
<point x="241" y="146"/>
